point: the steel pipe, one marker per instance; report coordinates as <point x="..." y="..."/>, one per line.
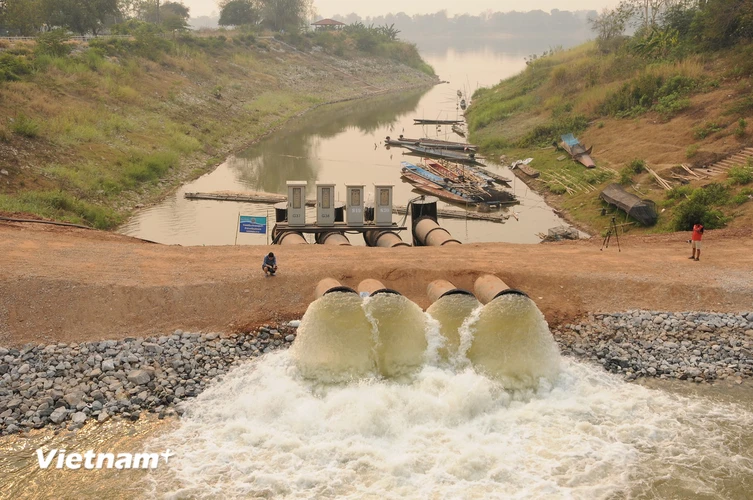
<point x="330" y="285"/>
<point x="428" y="233"/>
<point x="334" y="238"/>
<point x="292" y="238"/>
<point x="374" y="287"/>
<point x="488" y="287"/>
<point x="383" y="239"/>
<point x="442" y="288"/>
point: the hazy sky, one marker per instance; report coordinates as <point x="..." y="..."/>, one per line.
<point x="370" y="7"/>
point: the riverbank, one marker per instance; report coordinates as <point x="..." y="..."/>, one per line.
<point x="635" y="112"/>
<point x="95" y="134"/>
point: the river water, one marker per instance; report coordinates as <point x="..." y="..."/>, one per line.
<point x="343" y="144"/>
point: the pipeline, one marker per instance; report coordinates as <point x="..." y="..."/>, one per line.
<point x="291" y="238"/>
<point x="330" y="285"/>
<point x="488" y="287"/>
<point x="383" y="239"/>
<point x="332" y="238"/>
<point x="372" y="287"/>
<point x="443" y="288"/>
<point x="426" y="232"/>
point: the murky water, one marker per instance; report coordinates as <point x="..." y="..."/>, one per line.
<point x="343" y="143"/>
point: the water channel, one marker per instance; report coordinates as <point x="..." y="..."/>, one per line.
<point x="343" y="144"/>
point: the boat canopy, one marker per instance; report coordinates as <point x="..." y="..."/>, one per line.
<point x="644" y="211"/>
<point x="570" y="140"/>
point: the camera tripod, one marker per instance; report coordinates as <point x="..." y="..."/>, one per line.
<point x="611" y="230"/>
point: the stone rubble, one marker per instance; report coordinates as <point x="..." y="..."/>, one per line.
<point x="66" y="385"/>
<point x="695" y="346"/>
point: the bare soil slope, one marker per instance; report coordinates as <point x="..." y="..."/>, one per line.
<point x="66" y="285"/>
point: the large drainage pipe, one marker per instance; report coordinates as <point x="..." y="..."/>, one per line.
<point x="383" y="239"/>
<point x="292" y="238"/>
<point x="442" y="288"/>
<point x="334" y="238"/>
<point x="428" y="233"/>
<point x="488" y="287"/>
<point x="330" y="285"/>
<point x="372" y="287"/>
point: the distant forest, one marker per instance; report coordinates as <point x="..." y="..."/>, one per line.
<point x="558" y="24"/>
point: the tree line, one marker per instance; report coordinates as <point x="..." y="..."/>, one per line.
<point x="532" y="24"/>
<point x="665" y="28"/>
<point x="30" y="17"/>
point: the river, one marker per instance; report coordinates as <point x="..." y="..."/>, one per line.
<point x="343" y="144"/>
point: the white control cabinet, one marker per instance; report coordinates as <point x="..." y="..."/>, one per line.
<point x="383" y="204"/>
<point x="354" y="205"/>
<point x="325" y="204"/>
<point x="297" y="203"/>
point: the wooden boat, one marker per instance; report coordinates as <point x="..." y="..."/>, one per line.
<point x="459" y="129"/>
<point x="644" y="211"/>
<point x="400" y="141"/>
<point x="430" y="183"/>
<point x="445" y="172"/>
<point x="525" y="168"/>
<point x="490" y="176"/>
<point x="471" y="192"/>
<point x="421" y="121"/>
<point x="439" y="144"/>
<point x="443" y="154"/>
<point x="577" y="151"/>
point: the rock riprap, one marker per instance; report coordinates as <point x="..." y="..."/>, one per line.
<point x="696" y="346"/>
<point x="65" y="385"/>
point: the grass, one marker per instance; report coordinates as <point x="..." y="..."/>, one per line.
<point x="25" y="126"/>
<point x="60" y="205"/>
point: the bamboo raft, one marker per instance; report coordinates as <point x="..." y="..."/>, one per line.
<point x="272" y="198"/>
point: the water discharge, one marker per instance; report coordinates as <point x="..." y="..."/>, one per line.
<point x="445" y="433"/>
<point x="511" y="341"/>
<point x="451" y="312"/>
<point x="335" y="340"/>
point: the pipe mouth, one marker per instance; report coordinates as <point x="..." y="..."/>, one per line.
<point x="385" y="291"/>
<point x="341" y="289"/>
<point x="456" y="291"/>
<point x="511" y="291"/>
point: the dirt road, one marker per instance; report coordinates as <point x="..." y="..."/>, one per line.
<point x="61" y="284"/>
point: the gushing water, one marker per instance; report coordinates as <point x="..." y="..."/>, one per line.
<point x="511" y="341"/>
<point x="335" y="340"/>
<point x="516" y="422"/>
<point x="451" y="312"/>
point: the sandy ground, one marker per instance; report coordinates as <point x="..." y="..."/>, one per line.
<point x="62" y="284"/>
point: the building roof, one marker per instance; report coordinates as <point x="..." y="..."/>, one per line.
<point x="328" y="22"/>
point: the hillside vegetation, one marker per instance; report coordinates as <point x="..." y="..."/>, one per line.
<point x="91" y="130"/>
<point x="677" y="92"/>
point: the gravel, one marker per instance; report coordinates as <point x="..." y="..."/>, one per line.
<point x="67" y="385"/>
<point x="696" y="346"/>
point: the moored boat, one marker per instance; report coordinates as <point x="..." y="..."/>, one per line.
<point x="578" y="151"/>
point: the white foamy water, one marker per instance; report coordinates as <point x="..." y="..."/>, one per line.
<point x="444" y="433"/>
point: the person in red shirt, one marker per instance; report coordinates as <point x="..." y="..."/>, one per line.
<point x="695" y="241"/>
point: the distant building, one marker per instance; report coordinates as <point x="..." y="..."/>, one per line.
<point x="327" y="25"/>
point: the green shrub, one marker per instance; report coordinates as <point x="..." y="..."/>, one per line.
<point x="740" y="175"/>
<point x="557" y="189"/>
<point x="626" y="176"/>
<point x="702" y="206"/>
<point x="707" y="129"/>
<point x="53" y="43"/>
<point x="670" y="105"/>
<point x="740" y="129"/>
<point x="12" y="67"/>
<point x="545" y="134"/>
<point x="25" y="126"/>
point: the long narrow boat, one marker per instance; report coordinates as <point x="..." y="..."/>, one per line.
<point x="428" y="182"/>
<point x="578" y="151"/>
<point x="459" y="129"/>
<point x="430" y="143"/>
<point x="420" y="121"/>
<point x="443" y="154"/>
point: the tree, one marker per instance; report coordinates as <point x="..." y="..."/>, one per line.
<point x="22" y="17"/>
<point x="80" y="16"/>
<point x="174" y="15"/>
<point x="290" y="15"/>
<point x="239" y="12"/>
<point x="609" y="27"/>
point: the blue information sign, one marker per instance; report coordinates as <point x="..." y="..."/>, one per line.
<point x="252" y="224"/>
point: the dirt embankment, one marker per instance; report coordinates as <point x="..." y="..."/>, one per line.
<point x="70" y="285"/>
